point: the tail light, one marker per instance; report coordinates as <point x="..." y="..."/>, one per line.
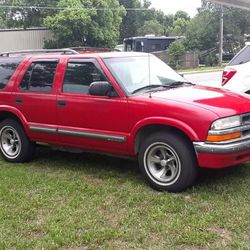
<point x="227" y="74"/>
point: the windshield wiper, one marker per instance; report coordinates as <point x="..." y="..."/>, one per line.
<point x="152" y="86"/>
<point x="178" y="83"/>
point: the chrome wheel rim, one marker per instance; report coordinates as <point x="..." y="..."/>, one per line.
<point x="10" y="142"/>
<point x="162" y="164"/>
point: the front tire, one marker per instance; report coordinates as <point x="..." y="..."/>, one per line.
<point x="167" y="161"/>
<point x="15" y="146"/>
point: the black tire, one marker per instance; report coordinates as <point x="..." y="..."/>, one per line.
<point x="15" y="145"/>
<point x="168" y="162"/>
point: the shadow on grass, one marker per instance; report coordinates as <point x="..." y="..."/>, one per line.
<point x="108" y="166"/>
<point x="228" y="178"/>
<point x="89" y="163"/>
<point x="217" y="174"/>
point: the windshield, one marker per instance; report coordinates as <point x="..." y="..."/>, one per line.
<point x="242" y="57"/>
<point x="139" y="72"/>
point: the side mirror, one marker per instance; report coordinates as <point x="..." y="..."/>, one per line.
<point x="100" y="89"/>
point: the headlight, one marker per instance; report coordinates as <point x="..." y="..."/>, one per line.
<point x="219" y="132"/>
<point x="225" y="123"/>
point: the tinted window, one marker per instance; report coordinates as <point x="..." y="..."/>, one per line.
<point x="242" y="57"/>
<point x="156" y="47"/>
<point x="39" y="77"/>
<point x="7" y="68"/>
<point x="79" y="75"/>
<point x="139" y="46"/>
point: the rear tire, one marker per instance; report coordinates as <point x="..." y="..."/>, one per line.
<point x="168" y="162"/>
<point x="15" y="145"/>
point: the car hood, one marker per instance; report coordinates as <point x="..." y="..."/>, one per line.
<point x="221" y="102"/>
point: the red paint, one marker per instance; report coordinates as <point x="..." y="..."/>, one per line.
<point x="190" y="109"/>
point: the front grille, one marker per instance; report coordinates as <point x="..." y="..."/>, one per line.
<point x="245" y="121"/>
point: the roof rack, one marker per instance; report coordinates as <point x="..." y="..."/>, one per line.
<point x="92" y="49"/>
<point x="63" y="51"/>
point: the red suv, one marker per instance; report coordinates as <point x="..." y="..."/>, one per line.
<point x="127" y="104"/>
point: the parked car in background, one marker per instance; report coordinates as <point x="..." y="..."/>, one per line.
<point x="121" y="103"/>
<point x="236" y="76"/>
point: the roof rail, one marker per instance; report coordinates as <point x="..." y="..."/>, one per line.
<point x="63" y="51"/>
<point x="92" y="49"/>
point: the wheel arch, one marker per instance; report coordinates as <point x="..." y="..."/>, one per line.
<point x="146" y="129"/>
<point x="12" y="113"/>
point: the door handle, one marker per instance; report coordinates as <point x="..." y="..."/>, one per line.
<point x="61" y="103"/>
<point x="19" y="100"/>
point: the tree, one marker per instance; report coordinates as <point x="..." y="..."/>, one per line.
<point x="152" y="27"/>
<point x="181" y="14"/>
<point x="136" y="21"/>
<point x="179" y="27"/>
<point x="2" y="19"/>
<point x="137" y="14"/>
<point x="96" y="21"/>
<point x="202" y="31"/>
<point x="236" y="24"/>
<point x="131" y="21"/>
<point x="27" y="13"/>
<point x="234" y="31"/>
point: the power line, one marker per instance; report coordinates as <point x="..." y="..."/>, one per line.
<point x="66" y="8"/>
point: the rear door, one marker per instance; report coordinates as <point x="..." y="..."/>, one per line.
<point x="35" y="97"/>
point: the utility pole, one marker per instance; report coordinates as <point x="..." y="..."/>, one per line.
<point x="221" y="35"/>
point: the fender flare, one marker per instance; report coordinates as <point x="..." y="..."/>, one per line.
<point x="15" y="112"/>
<point x="186" y="129"/>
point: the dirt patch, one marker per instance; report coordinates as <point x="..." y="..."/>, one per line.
<point x="93" y="180"/>
<point x="186" y="247"/>
<point x="224" y="236"/>
<point x="117" y="244"/>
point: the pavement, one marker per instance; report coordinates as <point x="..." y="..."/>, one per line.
<point x="206" y="78"/>
<point x="197" y="71"/>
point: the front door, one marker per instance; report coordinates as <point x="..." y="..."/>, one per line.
<point x="90" y="122"/>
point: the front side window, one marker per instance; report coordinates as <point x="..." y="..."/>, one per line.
<point x="7" y="68"/>
<point x="39" y="77"/>
<point x="79" y="76"/>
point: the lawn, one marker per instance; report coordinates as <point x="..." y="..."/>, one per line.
<point x="85" y="201"/>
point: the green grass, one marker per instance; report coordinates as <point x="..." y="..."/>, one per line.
<point x="85" y="201"/>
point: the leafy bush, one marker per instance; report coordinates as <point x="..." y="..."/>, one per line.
<point x="211" y="60"/>
<point x="176" y="50"/>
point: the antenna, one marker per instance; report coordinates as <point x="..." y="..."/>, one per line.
<point x="149" y="75"/>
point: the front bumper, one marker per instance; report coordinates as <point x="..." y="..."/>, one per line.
<point x="222" y="155"/>
<point x="225" y="148"/>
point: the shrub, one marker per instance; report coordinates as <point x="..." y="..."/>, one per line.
<point x="176" y="50"/>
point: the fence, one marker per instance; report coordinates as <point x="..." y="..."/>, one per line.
<point x="188" y="60"/>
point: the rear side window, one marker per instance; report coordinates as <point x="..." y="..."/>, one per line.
<point x="7" y="68"/>
<point x="39" y="77"/>
<point x="242" y="57"/>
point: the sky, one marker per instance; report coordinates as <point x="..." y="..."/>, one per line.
<point x="171" y="6"/>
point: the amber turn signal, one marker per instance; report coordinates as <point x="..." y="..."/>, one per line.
<point x="226" y="137"/>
